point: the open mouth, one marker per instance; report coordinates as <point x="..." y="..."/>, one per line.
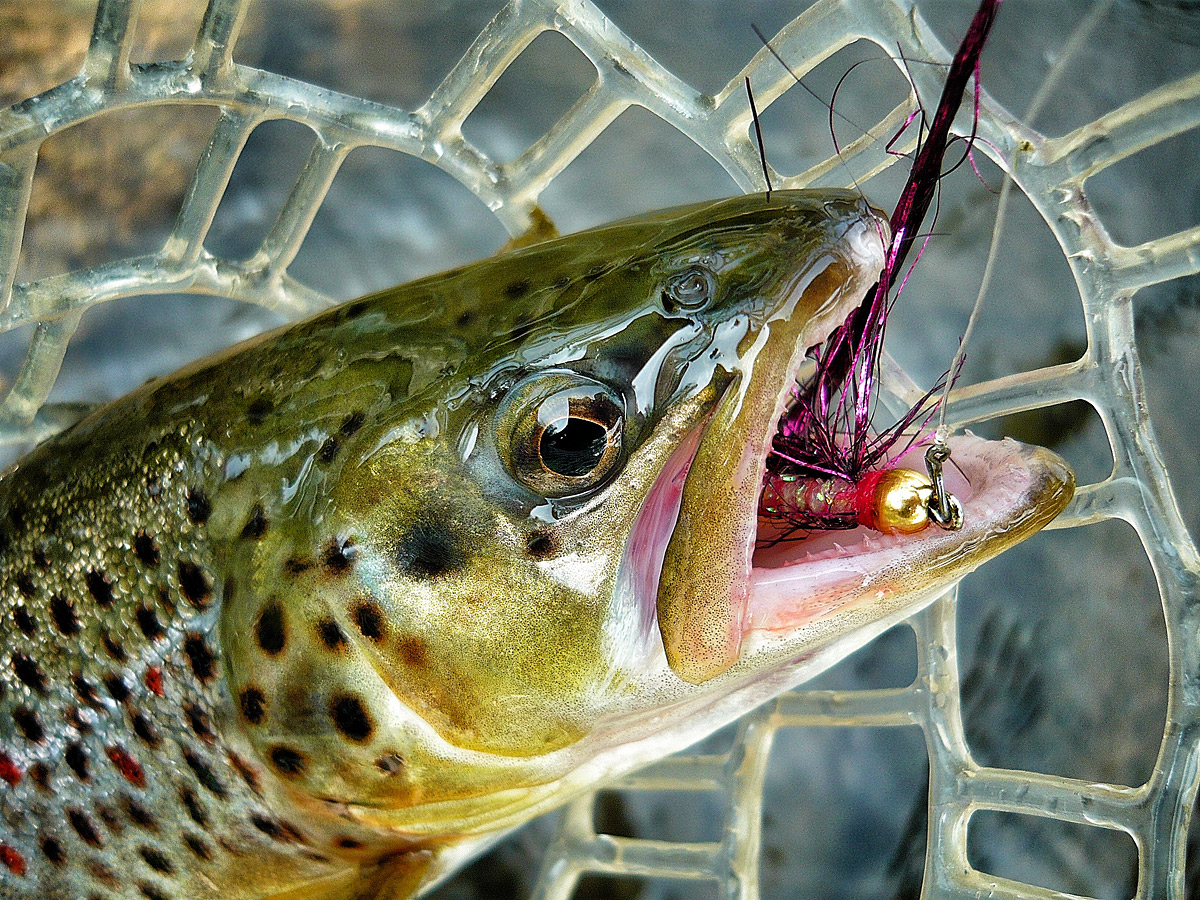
<point x="809" y="589"/>
<point x="723" y="588"/>
<point x="1008" y="491"/>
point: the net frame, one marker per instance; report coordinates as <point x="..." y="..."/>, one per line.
<point x="1052" y="172"/>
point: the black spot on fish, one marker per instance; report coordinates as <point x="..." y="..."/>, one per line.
<point x="200" y="656"/>
<point x="331" y="635"/>
<point x="198" y="506"/>
<point x="246" y="772"/>
<point x="28" y="724"/>
<point x="256" y="525"/>
<point x="297" y="565"/>
<point x="24" y="621"/>
<point x="288" y="761"/>
<point x="102" y="873"/>
<point x="194" y="807"/>
<point x="109" y="817"/>
<point x="40" y="774"/>
<point x="254" y="705"/>
<point x="16" y="515"/>
<point x="352" y="423"/>
<point x="150" y="892"/>
<point x="541" y="544"/>
<point x="25" y="585"/>
<point x="145" y="730"/>
<point x="270" y="631"/>
<point x="29" y="673"/>
<point x="350" y="717"/>
<point x="369" y="619"/>
<point x="430" y="549"/>
<point x="195" y="586"/>
<point x="63" y="614"/>
<point x="146" y="550"/>
<point x="465" y="319"/>
<point x="267" y="826"/>
<point x="157" y="860"/>
<point x="153" y="486"/>
<point x="148" y="622"/>
<point x="596" y="272"/>
<point x="339" y="555"/>
<point x="138" y="814"/>
<point x="116" y="687"/>
<point x="41" y="558"/>
<point x="85" y="691"/>
<point x="203" y="772"/>
<point x="199" y="723"/>
<point x="84" y="827"/>
<point x="258" y="410"/>
<point x="329" y="450"/>
<point x="53" y="850"/>
<point x="112" y="647"/>
<point x="346" y="843"/>
<point x="99" y="587"/>
<point x="77" y="759"/>
<point x="198" y="847"/>
<point x="353" y="310"/>
<point x="78" y="719"/>
<point x="515" y="290"/>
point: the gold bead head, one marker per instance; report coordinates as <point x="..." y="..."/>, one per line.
<point x="901" y="501"/>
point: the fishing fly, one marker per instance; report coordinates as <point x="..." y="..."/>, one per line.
<point x="828" y="468"/>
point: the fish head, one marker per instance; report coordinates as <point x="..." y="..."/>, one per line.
<point x="536" y="563"/>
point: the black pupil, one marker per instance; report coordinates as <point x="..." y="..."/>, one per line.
<point x="573" y="447"/>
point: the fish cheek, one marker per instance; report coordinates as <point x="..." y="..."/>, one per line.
<point x="495" y="656"/>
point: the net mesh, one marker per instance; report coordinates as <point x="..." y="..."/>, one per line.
<point x="1053" y="173"/>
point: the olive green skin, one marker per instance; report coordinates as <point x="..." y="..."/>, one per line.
<point x="289" y="623"/>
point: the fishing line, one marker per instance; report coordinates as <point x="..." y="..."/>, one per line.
<point x="762" y="150"/>
<point x="1080" y="36"/>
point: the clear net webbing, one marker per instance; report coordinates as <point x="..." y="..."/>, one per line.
<point x="44" y="307"/>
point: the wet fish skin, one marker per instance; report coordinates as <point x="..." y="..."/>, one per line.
<point x="284" y="624"/>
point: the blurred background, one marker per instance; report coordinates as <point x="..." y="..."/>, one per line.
<point x="1062" y="640"/>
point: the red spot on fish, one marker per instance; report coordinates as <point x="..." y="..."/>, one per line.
<point x="12" y="860"/>
<point x="9" y="771"/>
<point x="129" y="767"/>
<point x="154" y="680"/>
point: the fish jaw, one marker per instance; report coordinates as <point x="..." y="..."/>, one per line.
<point x="702" y="593"/>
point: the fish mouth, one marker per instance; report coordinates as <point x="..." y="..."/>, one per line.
<point x="728" y="598"/>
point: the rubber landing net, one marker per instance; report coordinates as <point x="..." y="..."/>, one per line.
<point x="1053" y="173"/>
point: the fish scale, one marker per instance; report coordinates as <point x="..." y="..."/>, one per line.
<point x="112" y="709"/>
<point x="125" y="776"/>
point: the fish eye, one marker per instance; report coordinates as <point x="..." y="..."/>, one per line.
<point x="561" y="434"/>
<point x="690" y="290"/>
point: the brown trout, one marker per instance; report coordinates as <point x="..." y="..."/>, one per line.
<point x="321" y="616"/>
